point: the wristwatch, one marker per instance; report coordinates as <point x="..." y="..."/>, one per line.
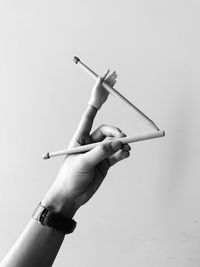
<point x="48" y="217"/>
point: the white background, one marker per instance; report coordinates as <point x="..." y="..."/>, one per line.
<point x="147" y="212"/>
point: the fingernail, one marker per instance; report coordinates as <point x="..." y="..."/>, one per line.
<point x="116" y="145"/>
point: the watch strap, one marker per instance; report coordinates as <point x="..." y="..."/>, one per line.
<point x="48" y="217"/>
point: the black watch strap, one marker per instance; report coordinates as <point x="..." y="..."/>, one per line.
<point x="53" y="219"/>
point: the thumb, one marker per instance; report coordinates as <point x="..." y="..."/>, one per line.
<point x="101" y="152"/>
<point x="100" y="79"/>
<point x="98" y="82"/>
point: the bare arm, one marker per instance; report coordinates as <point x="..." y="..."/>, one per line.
<point x="77" y="181"/>
<point x="37" y="246"/>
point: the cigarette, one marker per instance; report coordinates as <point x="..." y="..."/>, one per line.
<point x="85" y="148"/>
<point x="116" y="93"/>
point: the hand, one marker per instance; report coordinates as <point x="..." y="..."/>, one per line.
<point x="81" y="174"/>
<point x="99" y="95"/>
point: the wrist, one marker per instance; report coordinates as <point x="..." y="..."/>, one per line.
<point x="51" y="218"/>
<point x="66" y="207"/>
<point x="94" y="104"/>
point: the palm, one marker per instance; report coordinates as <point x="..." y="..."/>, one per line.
<point x="98" y="175"/>
<point x="87" y="179"/>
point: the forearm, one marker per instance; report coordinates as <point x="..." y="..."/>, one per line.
<point x="87" y="118"/>
<point x="84" y="126"/>
<point x="38" y="246"/>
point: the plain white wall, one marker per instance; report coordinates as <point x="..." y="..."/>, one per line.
<point x="147" y="212"/>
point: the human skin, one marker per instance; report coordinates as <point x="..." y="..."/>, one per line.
<point x="77" y="181"/>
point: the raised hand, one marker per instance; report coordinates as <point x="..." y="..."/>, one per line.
<point x="81" y="174"/>
<point x="99" y="95"/>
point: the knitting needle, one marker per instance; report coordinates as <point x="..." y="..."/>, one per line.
<point x="124" y="140"/>
<point x="114" y="92"/>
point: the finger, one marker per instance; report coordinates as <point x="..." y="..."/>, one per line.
<point x="118" y="156"/>
<point x="101" y="152"/>
<point x="104" y="131"/>
<point x="113" y="73"/>
<point x="112" y="83"/>
<point x="112" y="76"/>
<point x="126" y="147"/>
<point x="105" y="74"/>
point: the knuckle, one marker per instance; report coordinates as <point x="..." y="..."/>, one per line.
<point x="126" y="147"/>
<point x="83" y="139"/>
<point x="105" y="148"/>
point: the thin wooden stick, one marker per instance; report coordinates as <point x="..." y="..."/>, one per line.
<point x="124" y="140"/>
<point x="114" y="92"/>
